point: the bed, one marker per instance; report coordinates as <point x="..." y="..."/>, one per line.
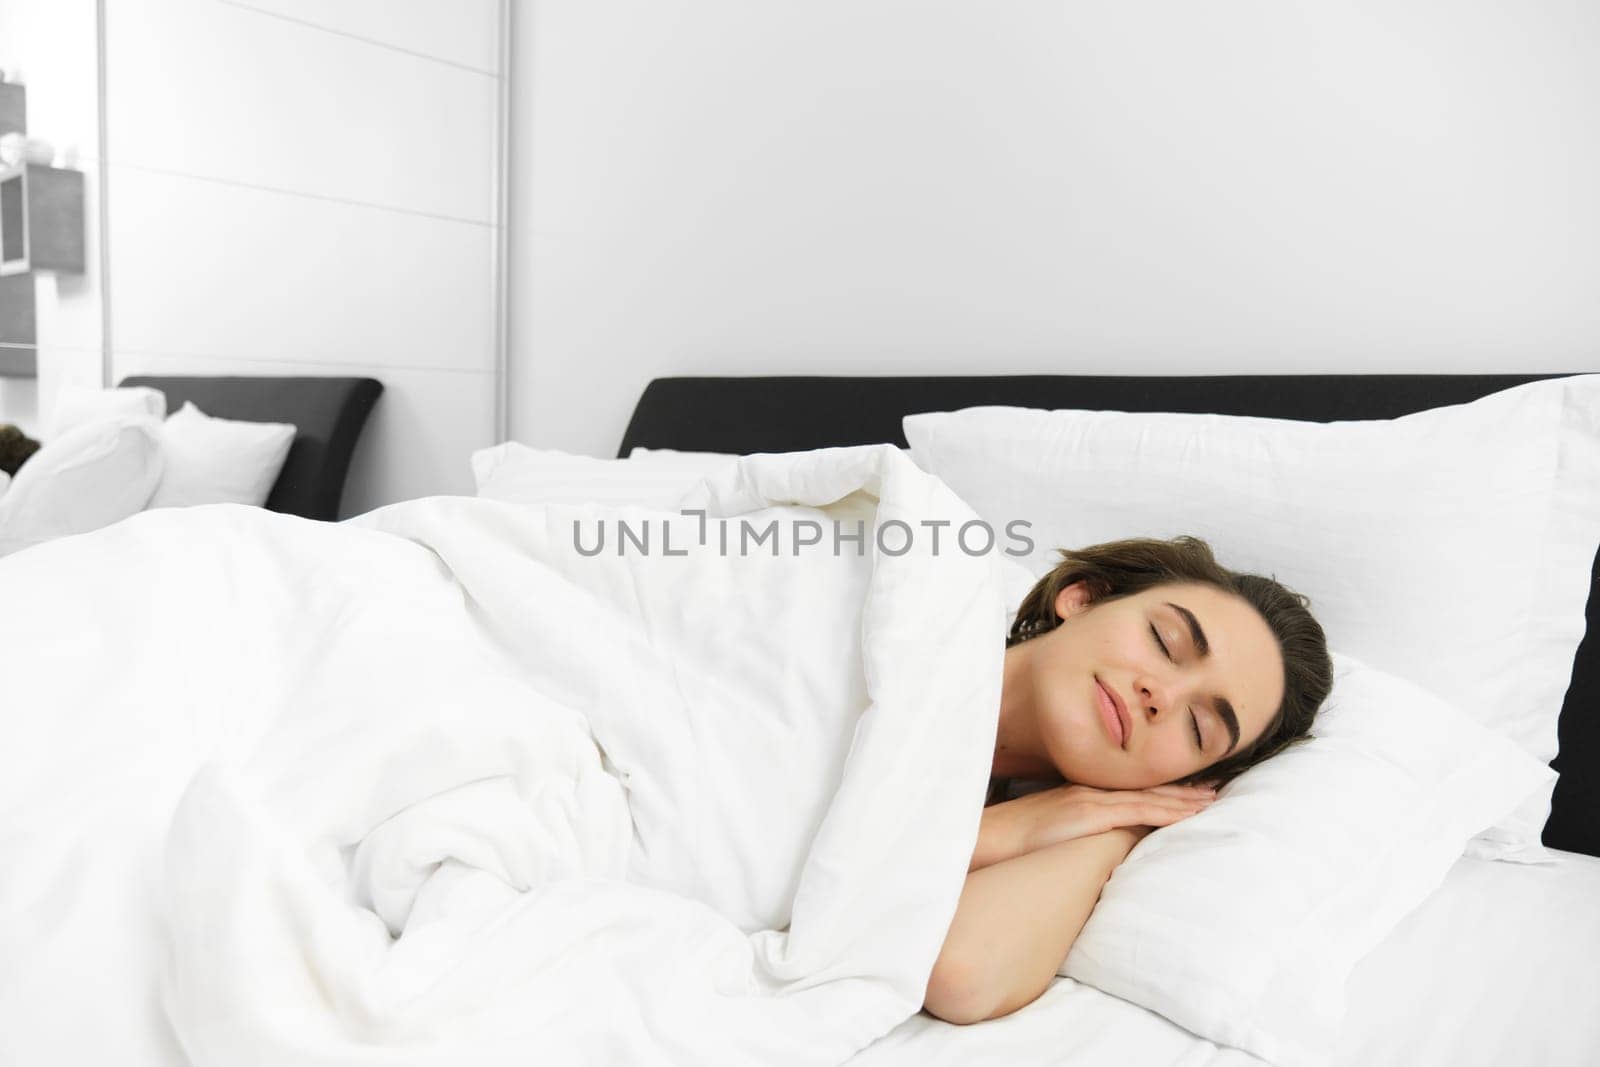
<point x="1496" y="967"/>
<point x="285" y="443"/>
<point x="235" y="886"/>
<point x="328" y="415"/>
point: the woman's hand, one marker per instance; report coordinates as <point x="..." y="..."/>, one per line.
<point x="1067" y="812"/>
<point x="1051" y="816"/>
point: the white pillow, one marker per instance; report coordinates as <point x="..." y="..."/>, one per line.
<point x="219" y="461"/>
<point x="518" y="474"/>
<point x="92" y="476"/>
<point x="1243" y="923"/>
<point x="674" y="455"/>
<point x="5" y="483"/>
<point x="77" y="404"/>
<point x="1452" y="546"/>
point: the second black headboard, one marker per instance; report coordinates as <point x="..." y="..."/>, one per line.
<point x="327" y="413"/>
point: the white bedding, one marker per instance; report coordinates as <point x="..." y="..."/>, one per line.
<point x="398" y="724"/>
<point x="1497" y="967"/>
<point x="322" y="713"/>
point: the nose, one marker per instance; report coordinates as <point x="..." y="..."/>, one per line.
<point x="1155" y="695"/>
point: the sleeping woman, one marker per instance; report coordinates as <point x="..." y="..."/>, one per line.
<point x="1139" y="676"/>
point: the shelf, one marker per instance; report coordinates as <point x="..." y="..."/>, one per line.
<point x="41" y="219"/>
<point x="13" y="108"/>
<point x="18" y="329"/>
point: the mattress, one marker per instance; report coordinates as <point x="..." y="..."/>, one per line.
<point x="1496" y="967"/>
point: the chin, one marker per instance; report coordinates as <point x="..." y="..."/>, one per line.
<point x="1089" y="769"/>
<point x="1116" y="782"/>
<point x="1082" y="768"/>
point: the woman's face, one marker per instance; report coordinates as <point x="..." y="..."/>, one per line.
<point x="1152" y="687"/>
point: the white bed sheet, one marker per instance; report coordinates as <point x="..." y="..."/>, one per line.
<point x="1501" y="965"/>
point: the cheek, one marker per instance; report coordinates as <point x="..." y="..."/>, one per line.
<point x="1069" y="735"/>
<point x="1173" y="759"/>
<point x="1060" y="721"/>
<point x="1169" y="753"/>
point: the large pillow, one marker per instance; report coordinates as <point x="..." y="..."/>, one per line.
<point x="678" y="456"/>
<point x="220" y="461"/>
<point x="76" y="405"/>
<point x="1243" y="923"/>
<point x="91" y="476"/>
<point x="517" y="474"/>
<point x="1452" y="546"/>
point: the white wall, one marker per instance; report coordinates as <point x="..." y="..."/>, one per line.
<point x="309" y="187"/>
<point x="52" y="43"/>
<point x="933" y="187"/>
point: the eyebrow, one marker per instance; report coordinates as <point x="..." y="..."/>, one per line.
<point x="1221" y="705"/>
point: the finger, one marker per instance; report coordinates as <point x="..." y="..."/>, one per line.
<point x="1181" y="801"/>
<point x="1151" y="815"/>
<point x="1182" y="790"/>
<point x="1148" y="813"/>
<point x="1145" y="809"/>
<point x="1161" y="793"/>
<point x="1164" y="816"/>
<point x="1154" y="813"/>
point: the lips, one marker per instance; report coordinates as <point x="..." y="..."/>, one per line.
<point x="1114" y="713"/>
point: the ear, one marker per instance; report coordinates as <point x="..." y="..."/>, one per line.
<point x="1071" y="600"/>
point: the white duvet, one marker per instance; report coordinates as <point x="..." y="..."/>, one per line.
<point x="431" y="787"/>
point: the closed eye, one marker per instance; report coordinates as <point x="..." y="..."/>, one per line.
<point x="1199" y="741"/>
<point x="1162" y="645"/>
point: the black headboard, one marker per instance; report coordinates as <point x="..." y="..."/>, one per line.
<point x="327" y="413"/>
<point x="782" y="414"/>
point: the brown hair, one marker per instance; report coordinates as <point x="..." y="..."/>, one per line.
<point x="1123" y="568"/>
<point x="15" y="448"/>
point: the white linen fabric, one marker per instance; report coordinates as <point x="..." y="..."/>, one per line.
<point x="1495" y="968"/>
<point x="1244" y="922"/>
<point x="517" y="474"/>
<point x="5" y="482"/>
<point x="95" y="474"/>
<point x="219" y="461"/>
<point x="1504" y="957"/>
<point x="1452" y="546"/>
<point x="689" y="459"/>
<point x="76" y="405"/>
<point x="443" y="789"/>
<point x="677" y="455"/>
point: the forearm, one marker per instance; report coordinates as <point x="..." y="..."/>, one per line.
<point x="1002" y="835"/>
<point x="1016" y="920"/>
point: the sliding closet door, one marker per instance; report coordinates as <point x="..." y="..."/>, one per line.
<point x="299" y="187"/>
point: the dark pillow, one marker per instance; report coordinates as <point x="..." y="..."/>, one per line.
<point x="15" y="448"/>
